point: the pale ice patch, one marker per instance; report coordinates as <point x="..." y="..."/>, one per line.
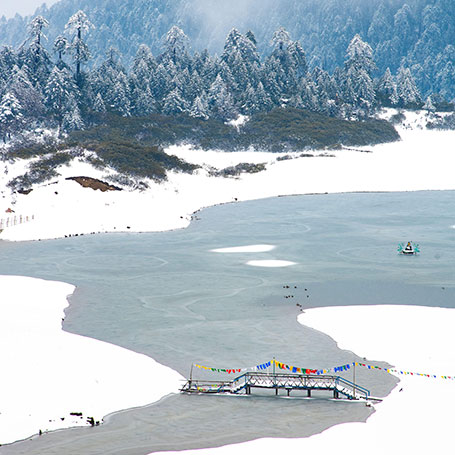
<point x="245" y="249"/>
<point x="270" y="263"/>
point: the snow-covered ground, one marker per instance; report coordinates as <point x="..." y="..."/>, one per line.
<point x="42" y="363"/>
<point x="47" y="373"/>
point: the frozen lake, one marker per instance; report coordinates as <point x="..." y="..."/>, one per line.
<point x="169" y="296"/>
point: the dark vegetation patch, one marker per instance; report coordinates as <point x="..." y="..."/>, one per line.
<point x="295" y="129"/>
<point x="278" y="130"/>
<point x="442" y="123"/>
<point x="29" y="148"/>
<point x="241" y="168"/>
<point x="40" y="171"/>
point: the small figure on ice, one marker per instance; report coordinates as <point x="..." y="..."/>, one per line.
<point x="410" y="248"/>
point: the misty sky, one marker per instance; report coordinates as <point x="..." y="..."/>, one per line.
<point x="9" y="8"/>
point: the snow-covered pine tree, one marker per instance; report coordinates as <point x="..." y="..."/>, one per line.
<point x="35" y="57"/>
<point x="358" y="69"/>
<point x="61" y="45"/>
<point x="255" y="100"/>
<point x="386" y="90"/>
<point x="7" y="61"/>
<point x="60" y="92"/>
<point x="103" y="79"/>
<point x="429" y="106"/>
<point x="120" y="95"/>
<point x="145" y="58"/>
<point x="309" y="95"/>
<point x="28" y="96"/>
<point x="269" y="78"/>
<point x="144" y="66"/>
<point x="72" y="119"/>
<point x="77" y="24"/>
<point x="176" y="45"/>
<point x="160" y="83"/>
<point x="200" y="108"/>
<point x="11" y="115"/>
<point x="221" y="103"/>
<point x="408" y="93"/>
<point x="280" y="40"/>
<point x="142" y="101"/>
<point x="173" y="103"/>
<point x="298" y="59"/>
<point x="98" y="105"/>
<point x="206" y="68"/>
<point x="35" y="29"/>
<point x="286" y="67"/>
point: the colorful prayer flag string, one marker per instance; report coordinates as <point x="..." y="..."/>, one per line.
<point x="302" y="370"/>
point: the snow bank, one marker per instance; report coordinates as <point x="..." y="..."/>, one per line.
<point x="47" y="373"/>
<point x="417" y="417"/>
<point x="422" y="160"/>
<point x="270" y="263"/>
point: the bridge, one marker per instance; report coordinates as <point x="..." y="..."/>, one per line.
<point x="340" y="387"/>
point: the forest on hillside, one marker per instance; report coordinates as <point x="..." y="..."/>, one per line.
<point x="61" y="90"/>
<point x="417" y="34"/>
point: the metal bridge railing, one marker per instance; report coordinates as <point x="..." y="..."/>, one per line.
<point x="276" y="381"/>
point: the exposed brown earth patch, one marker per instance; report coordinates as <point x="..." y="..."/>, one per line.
<point x="94" y="184"/>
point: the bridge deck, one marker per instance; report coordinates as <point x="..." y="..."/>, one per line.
<point x="244" y="383"/>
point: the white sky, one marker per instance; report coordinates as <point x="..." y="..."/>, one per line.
<point x="9" y="8"/>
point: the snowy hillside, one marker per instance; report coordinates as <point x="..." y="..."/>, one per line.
<point x="61" y="207"/>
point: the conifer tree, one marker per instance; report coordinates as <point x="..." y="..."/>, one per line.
<point x="221" y="103"/>
<point x="429" y="106"/>
<point x="77" y="24"/>
<point x="60" y="92"/>
<point x="60" y="46"/>
<point x="386" y="90"/>
<point x="173" y="103"/>
<point x="176" y="46"/>
<point x="36" y="58"/>
<point x="28" y="96"/>
<point x="199" y="108"/>
<point x="11" y="115"/>
<point x="358" y="82"/>
<point x="98" y="105"/>
<point x="72" y="119"/>
<point x="408" y="93"/>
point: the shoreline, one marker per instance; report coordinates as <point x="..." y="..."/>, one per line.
<point x="59" y="361"/>
<point x="418" y="411"/>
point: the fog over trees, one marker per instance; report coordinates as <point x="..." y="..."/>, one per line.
<point x="418" y="34"/>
